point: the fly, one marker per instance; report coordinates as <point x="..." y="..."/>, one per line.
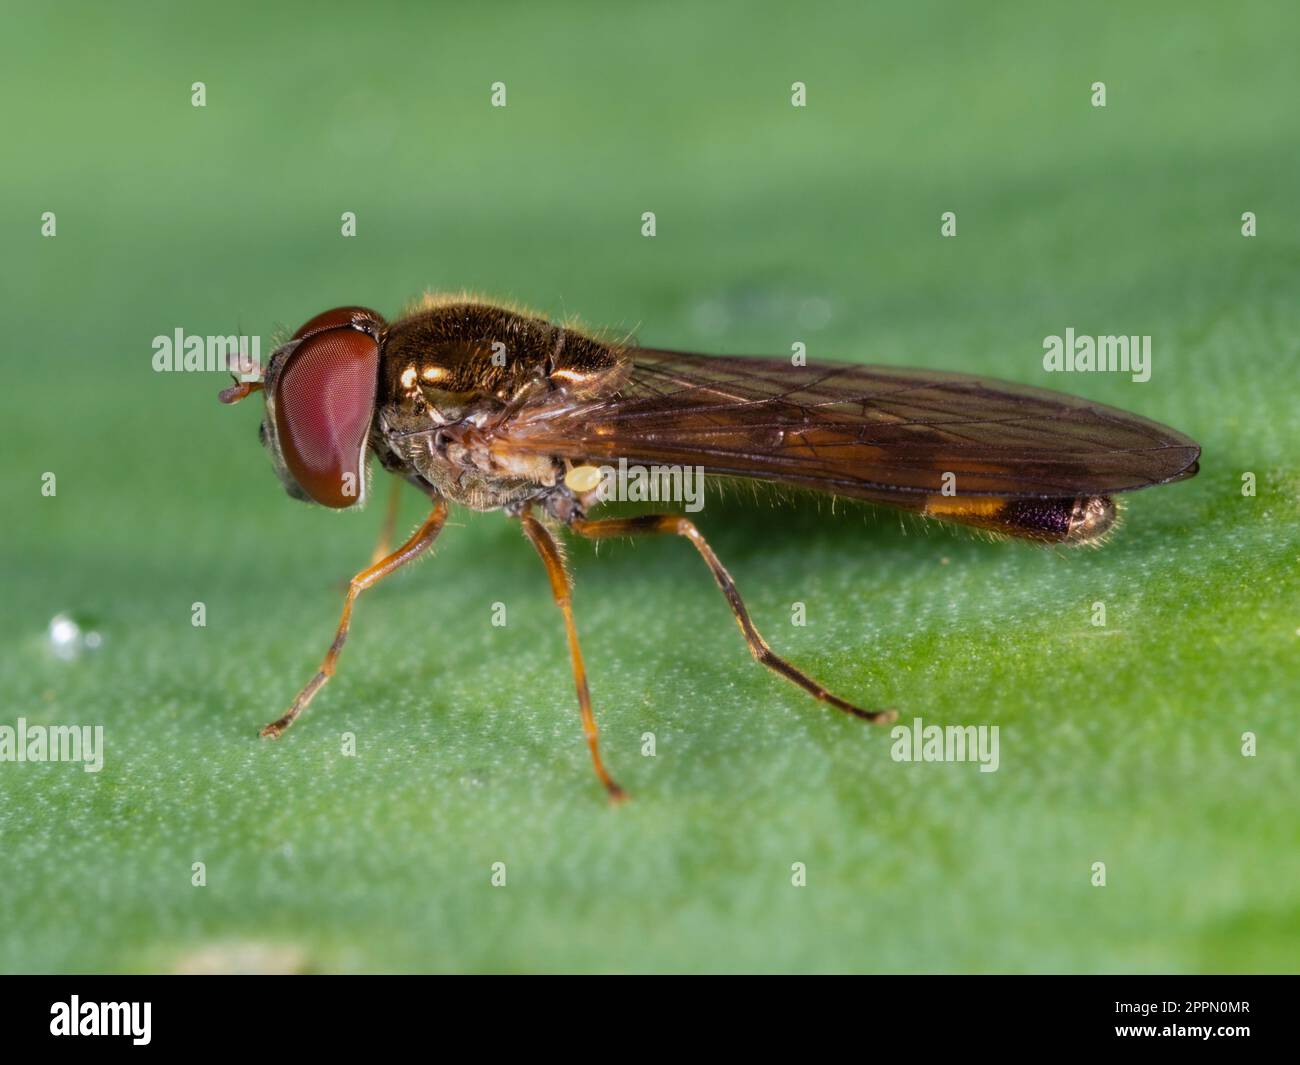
<point x="493" y="408"/>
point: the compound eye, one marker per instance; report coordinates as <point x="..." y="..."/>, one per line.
<point x="356" y="317"/>
<point x="324" y="401"/>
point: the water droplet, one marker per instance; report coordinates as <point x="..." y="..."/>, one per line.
<point x="68" y="637"/>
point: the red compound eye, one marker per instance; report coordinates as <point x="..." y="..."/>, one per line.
<point x="338" y="318"/>
<point x="324" y="401"/>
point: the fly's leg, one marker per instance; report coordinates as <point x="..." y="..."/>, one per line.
<point x="385" y="542"/>
<point x="672" y="523"/>
<point x="383" y="545"/>
<point x="413" y="548"/>
<point x="561" y="590"/>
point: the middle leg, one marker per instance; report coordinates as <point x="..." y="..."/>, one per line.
<point x="546" y="546"/>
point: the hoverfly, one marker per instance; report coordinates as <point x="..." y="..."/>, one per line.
<point x="494" y="408"/>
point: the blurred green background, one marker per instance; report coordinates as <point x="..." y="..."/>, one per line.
<point x="1120" y="745"/>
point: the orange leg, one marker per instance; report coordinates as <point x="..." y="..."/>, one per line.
<point x="672" y="523"/>
<point x="561" y="589"/>
<point x="415" y="546"/>
<point x="385" y="543"/>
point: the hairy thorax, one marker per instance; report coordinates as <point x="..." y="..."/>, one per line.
<point x="455" y="378"/>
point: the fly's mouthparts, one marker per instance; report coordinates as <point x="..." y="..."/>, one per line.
<point x="239" y="390"/>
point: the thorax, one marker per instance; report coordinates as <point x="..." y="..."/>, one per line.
<point x="454" y="378"/>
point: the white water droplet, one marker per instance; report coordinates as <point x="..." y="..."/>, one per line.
<point x="68" y="638"/>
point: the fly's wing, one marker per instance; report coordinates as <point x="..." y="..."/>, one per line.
<point x="857" y="430"/>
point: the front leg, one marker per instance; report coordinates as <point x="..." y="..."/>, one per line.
<point x="413" y="548"/>
<point x="384" y="544"/>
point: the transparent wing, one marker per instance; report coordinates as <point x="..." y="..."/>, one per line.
<point x="858" y="430"/>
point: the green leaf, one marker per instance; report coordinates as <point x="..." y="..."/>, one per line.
<point x="1119" y="744"/>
